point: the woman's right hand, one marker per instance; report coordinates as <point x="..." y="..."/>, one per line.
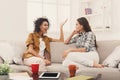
<point x="30" y="50"/>
<point x="69" y="38"/>
<point x="75" y="32"/>
<point x="63" y="23"/>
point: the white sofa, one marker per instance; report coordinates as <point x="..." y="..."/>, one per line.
<point x="57" y="48"/>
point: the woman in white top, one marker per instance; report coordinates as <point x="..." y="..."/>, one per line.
<point x="38" y="44"/>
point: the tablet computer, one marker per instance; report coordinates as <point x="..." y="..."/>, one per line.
<point x="50" y="75"/>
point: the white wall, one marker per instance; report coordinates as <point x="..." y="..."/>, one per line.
<point x="75" y="13"/>
<point x="13" y="19"/>
<point x="109" y="34"/>
<point x="114" y="33"/>
<point x="116" y="15"/>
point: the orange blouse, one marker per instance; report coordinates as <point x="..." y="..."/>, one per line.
<point x="33" y="39"/>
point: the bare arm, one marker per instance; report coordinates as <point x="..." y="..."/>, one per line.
<point x="61" y="39"/>
<point x="77" y="50"/>
<point x="73" y="50"/>
<point x="69" y="38"/>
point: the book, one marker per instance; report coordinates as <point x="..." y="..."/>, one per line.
<point x="19" y="76"/>
<point x="81" y="77"/>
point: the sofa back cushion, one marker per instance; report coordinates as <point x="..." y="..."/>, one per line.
<point x="105" y="48"/>
<point x="6" y="51"/>
<point x="12" y="51"/>
<point x="57" y="49"/>
<point x="19" y="48"/>
<point x="113" y="59"/>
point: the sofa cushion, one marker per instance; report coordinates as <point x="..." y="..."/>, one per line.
<point x="19" y="68"/>
<point x="113" y="59"/>
<point x="12" y="51"/>
<point x="6" y="51"/>
<point x="57" y="67"/>
<point x="57" y="49"/>
<point x="18" y="53"/>
<point x="19" y="47"/>
<point x="105" y="48"/>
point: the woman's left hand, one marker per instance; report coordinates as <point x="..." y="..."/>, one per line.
<point x="67" y="52"/>
<point x="47" y="62"/>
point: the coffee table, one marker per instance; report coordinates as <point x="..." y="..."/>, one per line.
<point x="64" y="76"/>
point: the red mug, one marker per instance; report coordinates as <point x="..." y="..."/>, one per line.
<point x="72" y="70"/>
<point x="35" y="68"/>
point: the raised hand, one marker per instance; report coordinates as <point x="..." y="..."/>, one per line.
<point x="61" y="31"/>
<point x="63" y="23"/>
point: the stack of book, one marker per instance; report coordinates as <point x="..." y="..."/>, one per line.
<point x="88" y="11"/>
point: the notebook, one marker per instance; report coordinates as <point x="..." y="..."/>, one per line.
<point x="19" y="76"/>
<point x="81" y="77"/>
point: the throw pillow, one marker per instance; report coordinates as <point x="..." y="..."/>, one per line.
<point x="18" y="52"/>
<point x="6" y="51"/>
<point x="113" y="59"/>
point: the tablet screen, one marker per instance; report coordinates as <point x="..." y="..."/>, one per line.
<point x="50" y="75"/>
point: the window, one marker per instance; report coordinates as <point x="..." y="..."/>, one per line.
<point x="55" y="10"/>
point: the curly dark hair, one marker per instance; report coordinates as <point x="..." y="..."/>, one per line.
<point x="38" y="23"/>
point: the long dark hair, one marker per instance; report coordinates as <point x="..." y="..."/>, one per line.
<point x="84" y="22"/>
<point x="38" y="23"/>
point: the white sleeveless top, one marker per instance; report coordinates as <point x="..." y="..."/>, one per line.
<point x="42" y="47"/>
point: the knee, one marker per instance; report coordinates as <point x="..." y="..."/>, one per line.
<point x="38" y="61"/>
<point x="70" y="55"/>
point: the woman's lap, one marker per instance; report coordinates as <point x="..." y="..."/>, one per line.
<point x="89" y="55"/>
<point x="82" y="58"/>
<point x="32" y="60"/>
